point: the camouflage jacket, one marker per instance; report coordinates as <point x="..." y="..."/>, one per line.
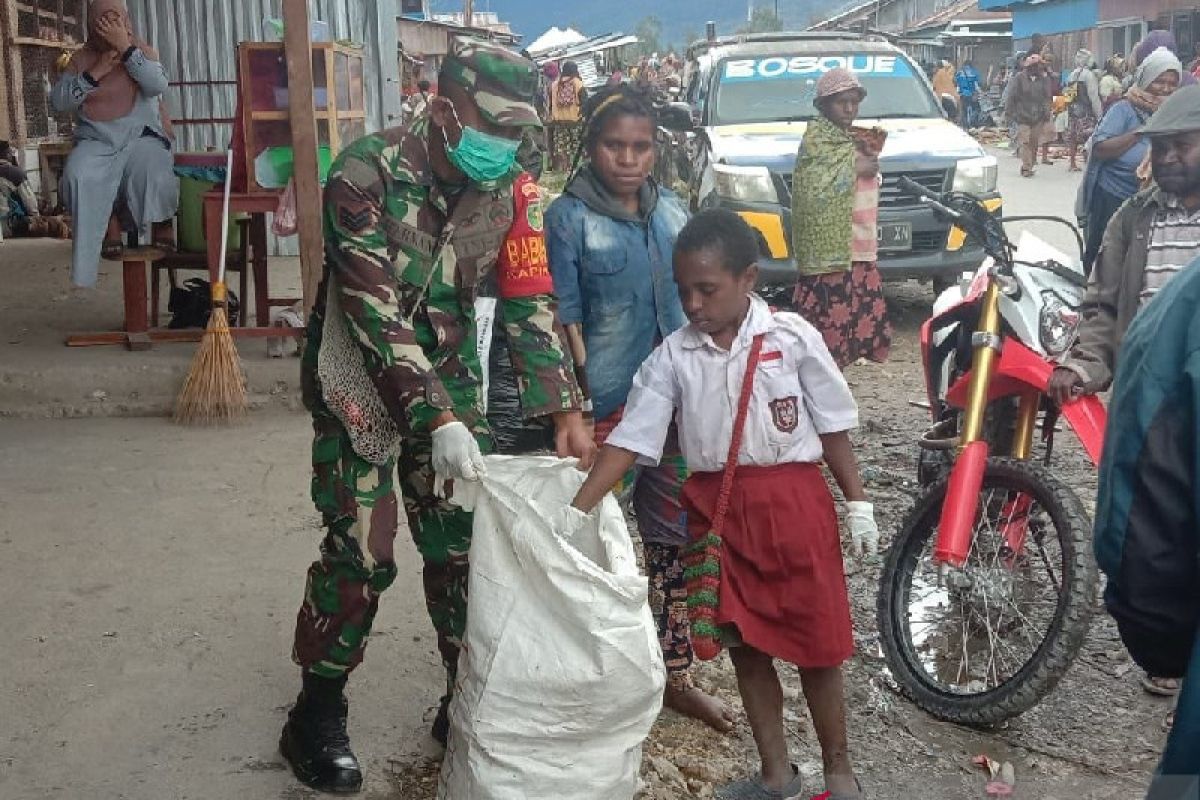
<point x="410" y="263"/>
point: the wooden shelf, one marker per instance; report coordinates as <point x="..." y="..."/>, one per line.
<point x="30" y="41"/>
<point x="262" y="79"/>
<point x="68" y="19"/>
<point x="282" y="116"/>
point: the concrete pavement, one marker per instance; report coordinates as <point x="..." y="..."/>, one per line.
<point x="1050" y="192"/>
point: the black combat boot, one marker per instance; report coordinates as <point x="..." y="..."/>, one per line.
<point x="314" y="739"/>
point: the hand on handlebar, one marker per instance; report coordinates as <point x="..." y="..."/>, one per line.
<point x="1065" y="385"/>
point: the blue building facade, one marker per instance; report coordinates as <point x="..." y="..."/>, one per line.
<point x="1066" y="24"/>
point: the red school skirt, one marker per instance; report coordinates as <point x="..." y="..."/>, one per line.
<point x="783" y="584"/>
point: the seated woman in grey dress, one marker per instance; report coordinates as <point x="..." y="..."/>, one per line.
<point x="121" y="171"/>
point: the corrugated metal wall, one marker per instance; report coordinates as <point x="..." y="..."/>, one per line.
<point x="197" y="40"/>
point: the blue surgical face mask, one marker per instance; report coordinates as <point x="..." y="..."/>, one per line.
<point x="481" y="156"/>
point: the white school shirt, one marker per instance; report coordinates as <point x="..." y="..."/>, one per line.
<point x="799" y="393"/>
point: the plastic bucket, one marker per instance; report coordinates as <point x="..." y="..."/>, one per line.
<point x="276" y="165"/>
<point x="191" y="217"/>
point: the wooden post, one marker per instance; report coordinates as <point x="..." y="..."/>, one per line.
<point x="16" y="74"/>
<point x="298" y="44"/>
<point x="468" y="13"/>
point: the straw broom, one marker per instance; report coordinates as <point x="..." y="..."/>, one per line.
<point x="215" y="390"/>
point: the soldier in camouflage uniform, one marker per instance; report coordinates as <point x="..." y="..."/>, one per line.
<point x="415" y="219"/>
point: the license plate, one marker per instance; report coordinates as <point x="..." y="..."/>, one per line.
<point x="894" y="236"/>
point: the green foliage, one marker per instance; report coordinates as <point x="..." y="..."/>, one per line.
<point x="649" y="33"/>
<point x="762" y="20"/>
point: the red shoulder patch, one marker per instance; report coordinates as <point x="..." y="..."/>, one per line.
<point x="524" y="267"/>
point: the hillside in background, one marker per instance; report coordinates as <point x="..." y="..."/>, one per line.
<point x="681" y="19"/>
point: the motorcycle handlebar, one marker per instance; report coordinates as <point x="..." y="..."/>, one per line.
<point x="934" y="199"/>
<point x="912" y="187"/>
<point x="960" y="209"/>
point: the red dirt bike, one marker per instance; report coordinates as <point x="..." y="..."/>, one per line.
<point x="988" y="589"/>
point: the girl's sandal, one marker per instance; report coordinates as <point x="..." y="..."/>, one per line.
<point x="755" y="789"/>
<point x="843" y="795"/>
<point x="1161" y="687"/>
<point x="112" y="249"/>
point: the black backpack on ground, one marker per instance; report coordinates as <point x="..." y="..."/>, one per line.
<point x="191" y="305"/>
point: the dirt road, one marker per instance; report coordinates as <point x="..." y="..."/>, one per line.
<point x="152" y="575"/>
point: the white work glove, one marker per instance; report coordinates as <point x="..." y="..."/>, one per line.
<point x="864" y="533"/>
<point x="455" y="455"/>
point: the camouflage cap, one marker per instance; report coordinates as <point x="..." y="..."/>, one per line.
<point x="501" y="82"/>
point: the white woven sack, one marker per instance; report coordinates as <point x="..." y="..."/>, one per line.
<point x="561" y="673"/>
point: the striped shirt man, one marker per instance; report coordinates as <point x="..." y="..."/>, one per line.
<point x="1174" y="243"/>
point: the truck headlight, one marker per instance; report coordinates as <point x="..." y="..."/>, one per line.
<point x="976" y="175"/>
<point x="1057" y="324"/>
<point x="748" y="184"/>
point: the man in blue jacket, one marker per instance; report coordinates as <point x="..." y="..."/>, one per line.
<point x="968" y="81"/>
<point x="1148" y="512"/>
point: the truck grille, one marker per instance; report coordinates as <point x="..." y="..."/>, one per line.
<point x="890" y="194"/>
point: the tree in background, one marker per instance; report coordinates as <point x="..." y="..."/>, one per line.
<point x="762" y="20"/>
<point x="649" y="33"/>
<point x="690" y="36"/>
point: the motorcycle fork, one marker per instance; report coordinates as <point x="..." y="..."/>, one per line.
<point x="957" y="524"/>
<point x="1015" y="515"/>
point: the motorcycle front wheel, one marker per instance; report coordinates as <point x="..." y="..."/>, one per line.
<point x="981" y="644"/>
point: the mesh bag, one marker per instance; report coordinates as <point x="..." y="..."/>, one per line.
<point x="348" y="390"/>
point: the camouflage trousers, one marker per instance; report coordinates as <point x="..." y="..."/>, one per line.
<point x="358" y="503"/>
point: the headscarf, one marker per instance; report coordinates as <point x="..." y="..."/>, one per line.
<point x="1154" y="65"/>
<point x="1160" y="61"/>
<point x="115" y="96"/>
<point x="550" y="70"/>
<point x="1151" y="42"/>
<point x="1083" y="58"/>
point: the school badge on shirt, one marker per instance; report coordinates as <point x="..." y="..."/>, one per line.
<point x="785" y="413"/>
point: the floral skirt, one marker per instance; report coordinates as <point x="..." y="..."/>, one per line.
<point x="1080" y="129"/>
<point x="565" y="138"/>
<point x="849" y="310"/>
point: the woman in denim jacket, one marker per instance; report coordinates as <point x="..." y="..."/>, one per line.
<point x="610" y="239"/>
